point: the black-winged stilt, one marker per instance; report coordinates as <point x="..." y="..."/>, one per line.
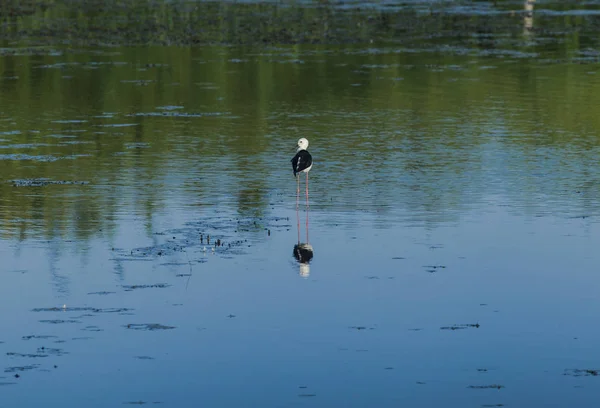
<point x="301" y="163"/>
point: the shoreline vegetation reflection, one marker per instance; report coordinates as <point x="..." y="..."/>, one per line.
<point x="437" y="122"/>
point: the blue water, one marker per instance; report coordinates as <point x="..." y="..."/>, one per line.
<point x="364" y="328"/>
<point x="454" y="213"/>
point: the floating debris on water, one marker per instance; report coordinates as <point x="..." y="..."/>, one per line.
<point x="65" y="121"/>
<point x="433" y="268"/>
<point x="483" y="387"/>
<point x="460" y="326"/>
<point x="156" y="285"/>
<point x="59" y="321"/>
<point x="169" y="107"/>
<point x="137" y="145"/>
<point x="179" y="114"/>
<point x="52" y="351"/>
<point x="148" y="326"/>
<point x="36" y="336"/>
<point x="92" y="328"/>
<point x="21" y="368"/>
<point x="119" y="125"/>
<point x="43" y="182"/>
<point x="577" y="372"/>
<point x="82" y="309"/>
<point x="11" y="354"/>
<point x="38" y="158"/>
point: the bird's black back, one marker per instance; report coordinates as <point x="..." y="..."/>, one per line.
<point x="301" y="161"/>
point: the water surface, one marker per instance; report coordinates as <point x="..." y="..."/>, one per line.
<point x="454" y="210"/>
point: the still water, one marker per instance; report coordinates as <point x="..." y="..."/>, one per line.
<point x="454" y="207"/>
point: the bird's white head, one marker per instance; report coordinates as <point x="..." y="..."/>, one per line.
<point x="302" y="144"/>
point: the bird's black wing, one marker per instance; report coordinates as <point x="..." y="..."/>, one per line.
<point x="301" y="161"/>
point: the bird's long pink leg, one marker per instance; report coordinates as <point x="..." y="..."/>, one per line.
<point x="298" y="222"/>
<point x="297" y="205"/>
<point x="307" y="207"/>
<point x="307" y="191"/>
<point x="307" y="226"/>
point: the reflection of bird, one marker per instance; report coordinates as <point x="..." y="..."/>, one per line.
<point x="303" y="254"/>
<point x="302" y="163"/>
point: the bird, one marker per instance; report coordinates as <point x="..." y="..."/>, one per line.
<point x="301" y="163"/>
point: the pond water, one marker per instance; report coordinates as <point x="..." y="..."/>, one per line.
<point x="149" y="225"/>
